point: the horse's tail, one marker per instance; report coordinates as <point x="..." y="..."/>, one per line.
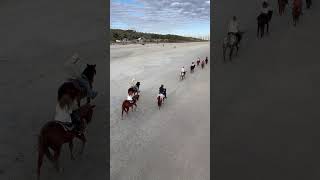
<point x="159" y="102"/>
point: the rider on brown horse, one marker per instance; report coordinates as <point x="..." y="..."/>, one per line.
<point x="68" y="113"/>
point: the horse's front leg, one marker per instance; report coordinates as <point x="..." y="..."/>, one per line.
<point x="84" y="140"/>
<point x="230" y="54"/>
<point x="224" y="54"/>
<point x="56" y="158"/>
<point x="71" y="150"/>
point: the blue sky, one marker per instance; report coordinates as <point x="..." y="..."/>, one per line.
<point x="182" y="17"/>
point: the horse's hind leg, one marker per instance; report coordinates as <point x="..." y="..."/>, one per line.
<point x="84" y="140"/>
<point x="56" y="158"/>
<point x="71" y="150"/>
<point x="230" y="54"/>
<point x="88" y="100"/>
<point x="40" y="161"/>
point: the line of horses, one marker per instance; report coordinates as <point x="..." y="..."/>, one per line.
<point x="54" y="134"/>
<point x="126" y="105"/>
<point x="231" y="42"/>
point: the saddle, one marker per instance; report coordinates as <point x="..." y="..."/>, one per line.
<point x="66" y="126"/>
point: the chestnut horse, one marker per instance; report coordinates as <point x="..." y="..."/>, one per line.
<point x="53" y="135"/>
<point x="282" y="6"/>
<point x="72" y="86"/>
<point x="160" y="101"/>
<point x="296" y="11"/>
<point x="126" y="104"/>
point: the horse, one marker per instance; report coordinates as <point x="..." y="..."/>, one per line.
<point x="296" y="12"/>
<point x="282" y="6"/>
<point x="202" y="64"/>
<point x="135" y="89"/>
<point x="263" y="20"/>
<point x="126" y="104"/>
<point x="54" y="134"/>
<point x="160" y="101"/>
<point x="231" y="42"/>
<point x="308" y="3"/>
<point x="183" y="75"/>
<point x="73" y="88"/>
<point x="192" y="68"/>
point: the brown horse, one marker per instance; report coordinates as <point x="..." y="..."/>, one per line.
<point x="53" y="135"/>
<point x="73" y="88"/>
<point x="160" y="101"/>
<point x="126" y="104"/>
<point x="198" y="62"/>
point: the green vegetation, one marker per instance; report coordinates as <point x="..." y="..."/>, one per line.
<point x="133" y="36"/>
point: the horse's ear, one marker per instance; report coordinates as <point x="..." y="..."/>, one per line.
<point x="93" y="106"/>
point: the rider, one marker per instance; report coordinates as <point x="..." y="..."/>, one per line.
<point x="193" y="64"/>
<point x="234" y="28"/>
<point x="183" y="71"/>
<point x="163" y="91"/>
<point x="130" y="96"/>
<point x="206" y="59"/>
<point x="84" y="82"/>
<point x="67" y="112"/>
<point x="74" y="69"/>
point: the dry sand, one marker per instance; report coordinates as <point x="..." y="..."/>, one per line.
<point x="173" y="143"/>
<point x="266" y="103"/>
<point x="36" y="38"/>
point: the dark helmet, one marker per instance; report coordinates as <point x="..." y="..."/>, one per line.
<point x="161" y="85"/>
<point x="234" y="18"/>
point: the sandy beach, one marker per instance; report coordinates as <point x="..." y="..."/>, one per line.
<point x="266" y="115"/>
<point x="34" y="48"/>
<point x="173" y="143"/>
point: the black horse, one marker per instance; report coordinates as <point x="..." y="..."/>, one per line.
<point x="192" y="68"/>
<point x="263" y="19"/>
<point x="135" y="89"/>
<point x="309" y="3"/>
<point x="75" y="89"/>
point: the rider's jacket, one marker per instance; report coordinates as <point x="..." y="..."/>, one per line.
<point x="233" y="26"/>
<point x="63" y="114"/>
<point x="161" y="90"/>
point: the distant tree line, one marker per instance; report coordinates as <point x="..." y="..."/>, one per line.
<point x="131" y="35"/>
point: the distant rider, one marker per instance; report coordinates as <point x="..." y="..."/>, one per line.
<point x="163" y="91"/>
<point x="234" y="28"/>
<point x="183" y="71"/>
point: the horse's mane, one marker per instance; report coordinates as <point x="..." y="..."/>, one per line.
<point x="89" y="72"/>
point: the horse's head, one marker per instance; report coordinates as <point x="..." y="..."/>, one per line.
<point x="86" y="112"/>
<point x="138" y="84"/>
<point x="90" y="72"/>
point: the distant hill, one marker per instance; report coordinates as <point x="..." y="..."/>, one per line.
<point x="131" y="35"/>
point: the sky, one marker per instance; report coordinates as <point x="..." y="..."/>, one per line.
<point x="180" y="17"/>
